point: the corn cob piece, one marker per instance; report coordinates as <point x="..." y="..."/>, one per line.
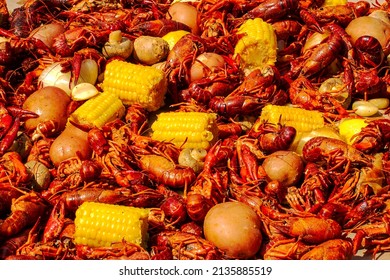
<point x="186" y="129"/>
<point x="334" y="3"/>
<point x="257" y="48"/>
<point x="134" y="83"/>
<point x="98" y="110"/>
<point x="302" y="120"/>
<point x="99" y="224"/>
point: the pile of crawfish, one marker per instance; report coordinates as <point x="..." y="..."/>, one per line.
<point x="338" y="208"/>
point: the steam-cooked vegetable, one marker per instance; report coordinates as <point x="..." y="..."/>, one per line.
<point x="234" y="228"/>
<point x="150" y="50"/>
<point x="50" y="103"/>
<point x="185" y="13"/>
<point x="117" y="45"/>
<point x="285" y="167"/>
<point x="205" y="64"/>
<point x="71" y="142"/>
<point x="368" y="25"/>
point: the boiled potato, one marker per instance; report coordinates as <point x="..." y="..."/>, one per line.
<point x="234" y="228"/>
<point x="150" y="50"/>
<point x="71" y="142"/>
<point x="50" y="103"/>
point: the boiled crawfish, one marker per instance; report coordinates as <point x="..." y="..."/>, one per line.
<point x="334" y="249"/>
<point x="183" y="246"/>
<point x="25" y="211"/>
<point x="334" y="152"/>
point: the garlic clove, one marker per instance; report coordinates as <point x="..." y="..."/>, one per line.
<point x="83" y="91"/>
<point x="88" y="72"/>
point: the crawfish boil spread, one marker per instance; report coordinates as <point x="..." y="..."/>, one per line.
<point x="204" y="129"/>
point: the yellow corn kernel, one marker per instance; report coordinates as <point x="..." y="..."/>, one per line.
<point x="186" y="129"/>
<point x="257" y="48"/>
<point x="334" y="3"/>
<point x="302" y="120"/>
<point x="98" y="110"/>
<point x="135" y="83"/>
<point x="99" y="224"/>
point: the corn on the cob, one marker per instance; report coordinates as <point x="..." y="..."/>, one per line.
<point x="334" y="3"/>
<point x="186" y="129"/>
<point x="100" y="224"/>
<point x="257" y="48"/>
<point x="98" y="110"/>
<point x="302" y="120"/>
<point x="134" y="83"/>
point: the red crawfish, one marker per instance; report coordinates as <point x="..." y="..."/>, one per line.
<point x="315" y="188"/>
<point x="363" y="210"/>
<point x="372" y="235"/>
<point x="174" y="208"/>
<point x="305" y="95"/>
<point x="157" y="28"/>
<point x="369" y="51"/>
<point x="272" y="137"/>
<point x="165" y="171"/>
<point x="34" y="13"/>
<point x="334" y="249"/>
<point x="373" y="138"/>
<point x="179" y="61"/>
<point x="322" y="55"/>
<point x="184" y="246"/>
<point x="137" y="118"/>
<point x="7" y="194"/>
<point x="25" y="211"/>
<point x="10" y="120"/>
<point x="272" y="10"/>
<point x="75" y="39"/>
<point x="209" y="189"/>
<point x="369" y="83"/>
<point x="340" y="14"/>
<point x="13" y="170"/>
<point x="286" y="29"/>
<point x="117" y="251"/>
<point x="142" y="197"/>
<point x="10" y="246"/>
<point x="204" y="89"/>
<point x="16" y="49"/>
<point x="335" y="152"/>
<point x="285" y="249"/>
<point x="312" y="230"/>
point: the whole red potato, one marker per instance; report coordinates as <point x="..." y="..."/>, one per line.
<point x="234" y="228"/>
<point x="286" y="167"/>
<point x="71" y="142"/>
<point x="51" y="104"/>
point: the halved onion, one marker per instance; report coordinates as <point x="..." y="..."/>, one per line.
<point x="53" y="76"/>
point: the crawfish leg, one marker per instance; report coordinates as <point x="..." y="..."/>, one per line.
<point x="10" y="136"/>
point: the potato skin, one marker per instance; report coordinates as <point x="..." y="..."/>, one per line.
<point x="150" y="50"/>
<point x="70" y="143"/>
<point x="284" y="166"/>
<point x="234" y="228"/>
<point x="50" y="103"/>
